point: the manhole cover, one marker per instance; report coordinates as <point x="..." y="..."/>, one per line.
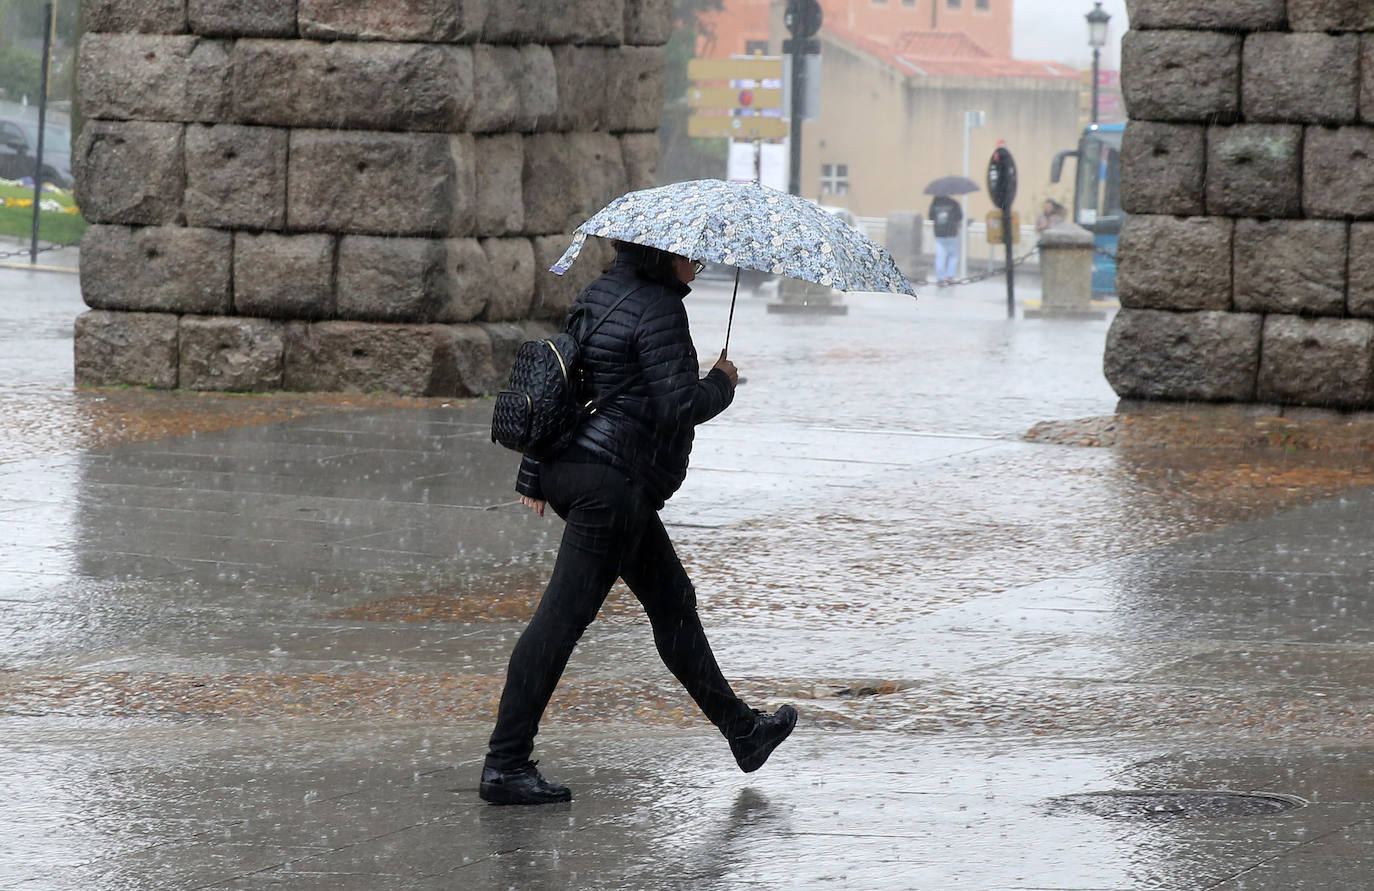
<point x="1177" y="804"/>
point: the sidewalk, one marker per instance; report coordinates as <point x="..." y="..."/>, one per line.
<point x="266" y="653"/>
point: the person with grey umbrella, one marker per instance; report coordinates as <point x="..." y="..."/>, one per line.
<point x="946" y="215"/>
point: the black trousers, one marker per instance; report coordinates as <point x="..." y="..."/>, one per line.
<point x="612" y="531"/>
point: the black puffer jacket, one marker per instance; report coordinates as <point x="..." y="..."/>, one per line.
<point x="647" y="429"/>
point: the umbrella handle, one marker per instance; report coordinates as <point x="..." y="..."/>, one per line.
<point x="730" y="324"/>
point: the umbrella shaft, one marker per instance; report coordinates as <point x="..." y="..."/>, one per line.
<point x="731" y="322"/>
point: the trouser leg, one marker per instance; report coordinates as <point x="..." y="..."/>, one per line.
<point x="655" y="575"/>
<point x="587" y="565"/>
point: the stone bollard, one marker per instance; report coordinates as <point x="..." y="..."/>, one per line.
<point x="1066" y="273"/>
<point x="904" y="235"/>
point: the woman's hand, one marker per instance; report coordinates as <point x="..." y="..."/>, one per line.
<point x="728" y="367"/>
<point x="534" y="504"/>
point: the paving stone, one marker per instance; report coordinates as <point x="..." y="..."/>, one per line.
<point x="136" y="348"/>
<point x="230" y="353"/>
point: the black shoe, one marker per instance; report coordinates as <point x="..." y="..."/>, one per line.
<point x="523" y="785"/>
<point x="754" y="747"/>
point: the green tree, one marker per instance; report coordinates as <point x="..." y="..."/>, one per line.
<point x="682" y="157"/>
<point x="20" y="73"/>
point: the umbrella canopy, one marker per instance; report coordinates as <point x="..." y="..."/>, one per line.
<point x="748" y="226"/>
<point x="951" y="185"/>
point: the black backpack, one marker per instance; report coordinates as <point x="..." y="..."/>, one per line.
<point x="541" y="407"/>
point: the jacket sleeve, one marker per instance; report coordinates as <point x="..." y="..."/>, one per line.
<point x="681" y="399"/>
<point x="527" y="478"/>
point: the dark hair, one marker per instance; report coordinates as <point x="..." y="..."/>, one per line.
<point x="650" y="262"/>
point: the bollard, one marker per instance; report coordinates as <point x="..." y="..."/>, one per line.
<point x="905" y="230"/>
<point x="1066" y="274"/>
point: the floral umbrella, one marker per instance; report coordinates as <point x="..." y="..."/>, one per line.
<point x="746" y="225"/>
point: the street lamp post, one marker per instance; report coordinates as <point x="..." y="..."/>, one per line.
<point x="1097" y="38"/>
<point x="973" y="120"/>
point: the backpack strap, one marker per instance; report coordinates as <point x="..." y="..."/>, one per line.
<point x="594" y="405"/>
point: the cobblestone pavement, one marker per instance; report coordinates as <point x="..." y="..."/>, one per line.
<point x="253" y="642"/>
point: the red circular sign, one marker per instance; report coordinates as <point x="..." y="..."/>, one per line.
<point x="746" y="97"/>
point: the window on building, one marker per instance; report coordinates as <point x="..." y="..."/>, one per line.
<point x="834" y="179"/>
<point x="982" y="5"/>
<point x="911" y="3"/>
<point x="756" y="47"/>
<point x="954" y="4"/>
<point x="878" y="2"/>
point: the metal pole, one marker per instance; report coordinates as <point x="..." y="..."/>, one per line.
<point x="798" y="86"/>
<point x="1097" y="54"/>
<point x="963" y="200"/>
<point x="42" y="125"/>
<point x="1011" y="275"/>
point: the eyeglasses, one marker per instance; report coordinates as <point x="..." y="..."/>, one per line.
<point x="697" y="267"/>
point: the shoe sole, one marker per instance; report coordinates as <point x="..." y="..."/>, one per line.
<point x="758" y="760"/>
<point x="493" y="794"/>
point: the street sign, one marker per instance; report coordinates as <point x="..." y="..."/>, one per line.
<point x="1002" y="178"/>
<point x="803" y="18"/>
<point x="719" y="127"/>
<point x="727" y="97"/>
<point x="757" y="68"/>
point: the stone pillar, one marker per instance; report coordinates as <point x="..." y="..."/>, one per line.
<point x="1243" y="269"/>
<point x="332" y="195"/>
<point x="1066" y="274"/>
<point x="905" y="231"/>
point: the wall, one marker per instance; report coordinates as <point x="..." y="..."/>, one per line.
<point x="898" y="133"/>
<point x="328" y="195"/>
<point x="1245" y="269"/>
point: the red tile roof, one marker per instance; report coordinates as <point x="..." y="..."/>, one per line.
<point x="947" y="54"/>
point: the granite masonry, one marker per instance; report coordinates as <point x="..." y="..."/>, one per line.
<point x="1246" y="266"/>
<point x="333" y="195"/>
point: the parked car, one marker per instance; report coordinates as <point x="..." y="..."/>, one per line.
<point x="19" y="145"/>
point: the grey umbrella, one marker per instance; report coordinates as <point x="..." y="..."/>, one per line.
<point x="951" y="185"/>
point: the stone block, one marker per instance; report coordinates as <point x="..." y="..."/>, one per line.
<point x="1163" y="168"/>
<point x="636" y="92"/>
<point x="424" y="21"/>
<point x="584" y="98"/>
<point x="1306" y="78"/>
<point x="1330" y="15"/>
<point x="1231" y="15"/>
<point x="1290" y="266"/>
<point x="511" y="286"/>
<point x="514" y="88"/>
<point x="145" y="77"/>
<point x="411" y="279"/>
<point x="506" y="338"/>
<point x="1196" y="356"/>
<point x="235" y="177"/>
<point x="1360" y="294"/>
<point x="640" y="153"/>
<point x="1338" y="176"/>
<point x="554" y="294"/>
<point x="1175" y="263"/>
<point x="499" y="162"/>
<point x="131" y="172"/>
<point x="134" y="16"/>
<point x="362" y="86"/>
<point x="138" y="348"/>
<point x="230" y="353"/>
<point x="568" y="177"/>
<point x="1367" y="78"/>
<point x="1187" y="76"/>
<point x="381" y="183"/>
<point x="1326" y="362"/>
<point x="284" y="276"/>
<point x="369" y="357"/>
<point x="1255" y="170"/>
<point x="242" y="18"/>
<point x="648" y="22"/>
<point x="157" y="269"/>
<point x="556" y="21"/>
<point x="471" y="356"/>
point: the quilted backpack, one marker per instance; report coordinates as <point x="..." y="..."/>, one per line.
<point x="541" y="407"/>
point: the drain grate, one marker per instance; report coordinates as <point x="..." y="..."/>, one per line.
<point x="1178" y="804"/>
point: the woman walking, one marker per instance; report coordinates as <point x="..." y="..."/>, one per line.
<point x="608" y="485"/>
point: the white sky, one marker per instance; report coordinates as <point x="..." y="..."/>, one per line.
<point x="1057" y="31"/>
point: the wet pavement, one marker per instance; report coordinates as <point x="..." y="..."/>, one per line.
<point x="256" y="642"/>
